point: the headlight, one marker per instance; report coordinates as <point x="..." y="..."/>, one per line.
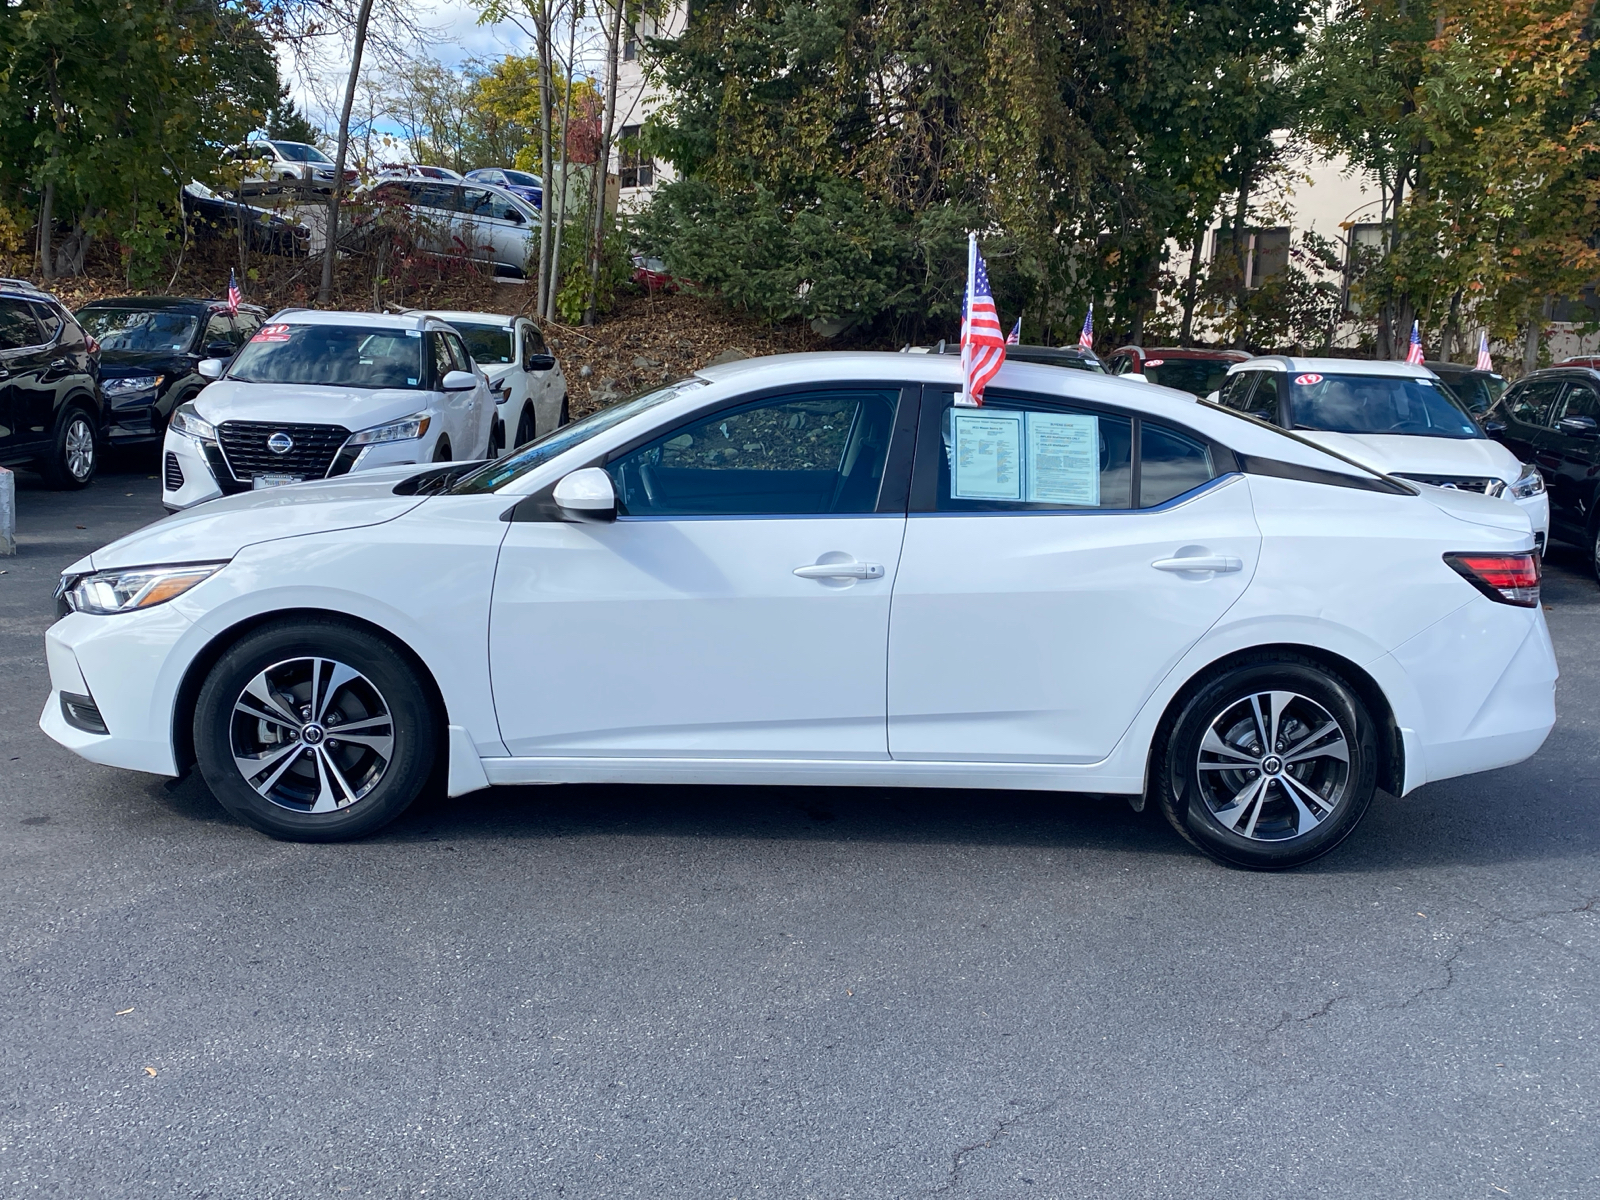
<point x="106" y="592"/>
<point x="1529" y="483"/>
<point x="402" y="430"/>
<point x="186" y="421"/>
<point x="134" y="383"/>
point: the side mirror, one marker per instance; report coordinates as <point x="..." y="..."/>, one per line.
<point x="1579" y="427"/>
<point x="1494" y="428"/>
<point x="541" y="362"/>
<point x="211" y="368"/>
<point x="219" y="350"/>
<point x="587" y="494"/>
<point x="459" y="381"/>
<point x="514" y="216"/>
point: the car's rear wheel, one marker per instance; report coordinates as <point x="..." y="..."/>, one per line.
<point x="525" y="427"/>
<point x="74" y="454"/>
<point x="314" y="731"/>
<point x="1270" y="765"/>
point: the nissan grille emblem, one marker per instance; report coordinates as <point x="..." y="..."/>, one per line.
<point x="280" y="443"/>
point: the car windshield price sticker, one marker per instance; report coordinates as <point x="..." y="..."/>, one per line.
<point x="986" y="464"/>
<point x="272" y="333"/>
<point x="1063" y="462"/>
<point x="1307" y="380"/>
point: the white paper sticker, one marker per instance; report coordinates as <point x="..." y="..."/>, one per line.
<point x="1063" y="463"/>
<point x="986" y="464"/>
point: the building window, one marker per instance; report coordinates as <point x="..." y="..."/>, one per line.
<point x="630" y="44"/>
<point x="1365" y="247"/>
<point x="1264" y="252"/>
<point x="634" y="168"/>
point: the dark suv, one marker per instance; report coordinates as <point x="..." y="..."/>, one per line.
<point x="51" y="415"/>
<point x="150" y="347"/>
<point x="1552" y="418"/>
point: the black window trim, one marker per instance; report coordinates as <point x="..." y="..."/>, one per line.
<point x="893" y="493"/>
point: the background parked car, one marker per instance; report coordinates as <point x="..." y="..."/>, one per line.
<point x="1478" y="390"/>
<point x="529" y="388"/>
<point x="417" y="171"/>
<point x="150" y="350"/>
<point x="275" y="161"/>
<point x="459" y="219"/>
<point x="1073" y="357"/>
<point x="265" y="231"/>
<point x="1552" y="419"/>
<point x="318" y="394"/>
<point x="1394" y="417"/>
<point x="51" y="413"/>
<point x="1196" y="371"/>
<point x="519" y="183"/>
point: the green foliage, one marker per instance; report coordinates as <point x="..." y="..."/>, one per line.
<point x="616" y="267"/>
<point x="285" y="120"/>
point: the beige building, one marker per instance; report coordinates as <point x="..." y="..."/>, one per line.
<point x="637" y="173"/>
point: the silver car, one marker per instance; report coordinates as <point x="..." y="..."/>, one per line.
<point x="464" y="219"/>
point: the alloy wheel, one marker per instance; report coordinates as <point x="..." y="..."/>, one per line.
<point x="312" y="735"/>
<point x="77" y="450"/>
<point x="1273" y="766"/>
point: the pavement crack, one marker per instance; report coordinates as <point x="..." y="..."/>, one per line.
<point x="958" y="1156"/>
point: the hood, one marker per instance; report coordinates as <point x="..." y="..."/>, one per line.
<point x="1398" y="454"/>
<point x="219" y="529"/>
<point x="494" y="372"/>
<point x="291" y="403"/>
<point x="119" y="364"/>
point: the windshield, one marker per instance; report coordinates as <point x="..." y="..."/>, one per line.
<point x="140" y="330"/>
<point x="300" y="152"/>
<point x="1378" y="404"/>
<point x="558" y="441"/>
<point x="1198" y="376"/>
<point x="489" y="344"/>
<point x="1477" y="392"/>
<point x="523" y="179"/>
<point x="333" y="356"/>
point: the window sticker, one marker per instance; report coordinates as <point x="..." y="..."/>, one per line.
<point x="413" y="333"/>
<point x="1154" y="362"/>
<point x="1063" y="462"/>
<point x="1308" y="379"/>
<point x="272" y="333"/>
<point x="986" y="463"/>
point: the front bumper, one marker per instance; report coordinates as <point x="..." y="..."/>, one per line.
<point x="1538" y="510"/>
<point x="194" y="472"/>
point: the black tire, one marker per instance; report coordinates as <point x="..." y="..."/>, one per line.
<point x="74" y="451"/>
<point x="1594" y="551"/>
<point x="563" y="419"/>
<point x="1271" y="812"/>
<point x="497" y="440"/>
<point x="525" y="427"/>
<point x="441" y="452"/>
<point x="368" y="789"/>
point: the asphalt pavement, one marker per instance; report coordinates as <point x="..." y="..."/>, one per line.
<point x="736" y="993"/>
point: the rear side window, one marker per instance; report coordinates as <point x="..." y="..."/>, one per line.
<point x="1170" y="464"/>
<point x="798" y="454"/>
<point x="49" y="320"/>
<point x="1017" y="454"/>
<point x="18" y="328"/>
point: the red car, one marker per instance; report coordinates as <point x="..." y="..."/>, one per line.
<point x="1200" y="372"/>
<point x="1583" y="360"/>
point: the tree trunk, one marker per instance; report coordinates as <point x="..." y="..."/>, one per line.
<point x="551" y="312"/>
<point x="1191" y="288"/>
<point x="47" y="224"/>
<point x="330" y="238"/>
<point x="1536" y="323"/>
<point x="541" y="26"/>
<point x="597" y="242"/>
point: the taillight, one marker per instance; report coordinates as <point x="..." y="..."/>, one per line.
<point x="1506" y="578"/>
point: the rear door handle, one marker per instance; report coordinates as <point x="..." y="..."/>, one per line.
<point x="847" y="570"/>
<point x="1199" y="562"/>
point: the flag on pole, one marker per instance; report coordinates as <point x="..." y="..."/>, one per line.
<point x="1014" y="338"/>
<point x="983" y="347"/>
<point x="1485" y="363"/>
<point x="234" y="294"/>
<point x="1086" y="338"/>
<point x="1414" y="355"/>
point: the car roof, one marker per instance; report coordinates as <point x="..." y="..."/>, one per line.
<point x="417" y="321"/>
<point x="1197" y="352"/>
<point x="486" y="318"/>
<point x="1460" y="370"/>
<point x="193" y="303"/>
<point x="1334" y="366"/>
<point x="1562" y="371"/>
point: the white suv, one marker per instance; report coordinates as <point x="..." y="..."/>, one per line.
<point x="318" y="394"/>
<point x="530" y="392"/>
<point x="278" y="161"/>
<point x="1393" y="417"/>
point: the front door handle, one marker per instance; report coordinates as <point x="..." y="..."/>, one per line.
<point x="844" y="570"/>
<point x="1199" y="562"/>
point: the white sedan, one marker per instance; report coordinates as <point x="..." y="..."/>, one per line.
<point x="821" y="569"/>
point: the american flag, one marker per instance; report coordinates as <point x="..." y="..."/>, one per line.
<point x="234" y="294"/>
<point x="983" y="347"/>
<point x="1414" y="355"/>
<point x="1086" y="338"/>
<point x="1485" y="363"/>
<point x="1014" y="338"/>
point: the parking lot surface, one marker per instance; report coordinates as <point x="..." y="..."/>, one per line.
<point x="741" y="993"/>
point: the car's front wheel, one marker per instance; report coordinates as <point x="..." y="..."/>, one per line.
<point x="525" y="427"/>
<point x="74" y="452"/>
<point x="1270" y="765"/>
<point x="314" y="731"/>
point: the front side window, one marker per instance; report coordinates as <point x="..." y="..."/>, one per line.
<point x="1580" y="401"/>
<point x="808" y="453"/>
<point x="219" y="329"/>
<point x="1378" y="404"/>
<point x="1528" y="402"/>
<point x="332" y="356"/>
<point x="300" y="152"/>
<point x="489" y="344"/>
<point x="523" y="179"/>
<point x="1266" y="402"/>
<point x="1235" y="389"/>
<point x="460" y="360"/>
<point x="532" y="343"/>
<point x="140" y="330"/>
